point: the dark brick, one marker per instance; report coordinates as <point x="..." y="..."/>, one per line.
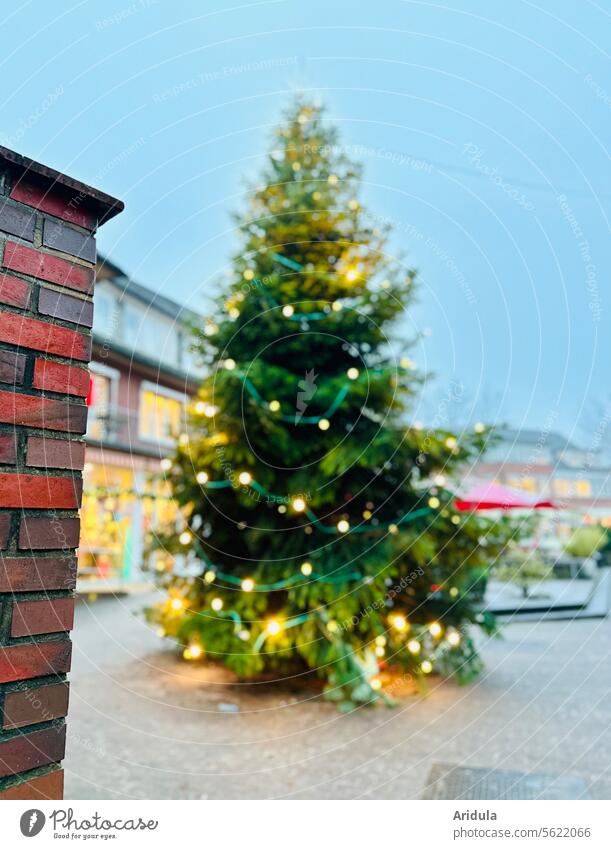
<point x="8" y="448"/>
<point x="64" y="306"/>
<point x="45" y="616"/>
<point x="55" y="453"/>
<point x="36" y="704"/>
<point x="60" y="237"/>
<point x="43" y="491"/>
<point x="28" y="751"/>
<point x="5" y="529"/>
<point x="30" y="574"/>
<point x="40" y="532"/>
<point x="48" y="413"/>
<point x="49" y="786"/>
<point x="14" y="291"/>
<point x="44" y="336"/>
<point x="63" y="205"/>
<point x="47" y="267"/>
<point x="59" y="377"/>
<point x="32" y="660"/>
<point x="17" y="222"/>
<point x="12" y="367"/>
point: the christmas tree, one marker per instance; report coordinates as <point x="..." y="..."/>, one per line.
<point x="319" y="525"/>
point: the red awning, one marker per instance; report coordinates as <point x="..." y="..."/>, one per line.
<point x="494" y="496"/>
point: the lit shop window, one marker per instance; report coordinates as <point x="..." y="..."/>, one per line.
<point x="583" y="488"/>
<point x="160" y="415"/>
<point x="562" y="487"/>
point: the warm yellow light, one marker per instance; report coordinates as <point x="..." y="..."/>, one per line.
<point x="316" y="195"/>
<point x="351" y="275"/>
<point x="450" y="442"/>
<point x="332" y="626"/>
<point x="439" y="480"/>
<point x="274" y="406"/>
<point x="434" y="502"/>
<point x="455" y="520"/>
<point x="352" y="373"/>
<point x="193" y="651"/>
<point x="200" y="406"/>
<point x="183" y="439"/>
<point x="479" y="427"/>
<point x="380" y="651"/>
<point x="245" y="478"/>
<point x="210" y="329"/>
<point x="306" y="568"/>
<point x="381" y="640"/>
<point x="417" y="425"/>
<point x="367" y="514"/>
<point x="209" y="410"/>
<point x="406" y="362"/>
<point x="229" y="364"/>
<point x="288" y="311"/>
<point x="216" y="604"/>
<point x="299" y="505"/>
<point x="201" y="477"/>
<point x="375" y="684"/>
<point x="453" y="591"/>
<point x="413" y="646"/>
<point x="353" y="204"/>
<point x="336" y="306"/>
<point x="324" y="424"/>
<point x="176" y="604"/>
<point x="393" y="529"/>
<point x="333" y="179"/>
<point x="273" y="627"/>
<point x="244" y="634"/>
<point x="249" y="274"/>
<point x="399" y="623"/>
<point x="234" y="312"/>
<point x="453" y="637"/>
<point x="166" y="464"/>
<point x="426" y="666"/>
<point x="185" y="538"/>
<point x="248" y="585"/>
<point x="343" y="526"/>
<point x="296" y="166"/>
<point x="210" y="576"/>
<point x="435" y="629"/>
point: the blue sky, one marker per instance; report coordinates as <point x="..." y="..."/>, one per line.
<point x="482" y="128"/>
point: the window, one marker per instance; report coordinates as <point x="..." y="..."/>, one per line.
<point x="160" y="413"/>
<point x="583" y="488"/>
<point x="562" y="487"/>
<point x="101" y="401"/>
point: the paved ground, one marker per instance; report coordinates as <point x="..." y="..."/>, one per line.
<point x="146" y="725"/>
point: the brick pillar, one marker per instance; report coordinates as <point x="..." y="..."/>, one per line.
<point x="47" y="257"/>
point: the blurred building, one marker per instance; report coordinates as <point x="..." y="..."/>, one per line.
<point x="549" y="466"/>
<point x="142" y="374"/>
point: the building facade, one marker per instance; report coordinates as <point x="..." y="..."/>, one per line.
<point x="142" y="376"/>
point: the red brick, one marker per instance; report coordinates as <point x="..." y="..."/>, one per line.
<point x="40" y="532"/>
<point x="46" y="616"/>
<point x="36" y="704"/>
<point x="59" y="377"/>
<point x="55" y="453"/>
<point x="67" y="307"/>
<point x="30" y="574"/>
<point x="14" y="291"/>
<point x="8" y="448"/>
<point x="48" y="786"/>
<point x="5" y="529"/>
<point x="63" y="205"/>
<point x="44" y="336"/>
<point x="48" y="413"/>
<point x="31" y="660"/>
<point x="47" y="267"/>
<point x="12" y="367"/>
<point x="44" y="491"/>
<point x="28" y="751"/>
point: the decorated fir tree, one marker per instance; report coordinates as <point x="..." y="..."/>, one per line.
<point x="318" y="516"/>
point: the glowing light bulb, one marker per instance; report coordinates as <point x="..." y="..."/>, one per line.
<point x="385" y="284"/>
<point x="455" y="520"/>
<point x="434" y="502"/>
<point x="324" y="424"/>
<point x="202" y="477"/>
<point x="351" y="275"/>
<point x="176" y="604"/>
<point x="216" y="604"/>
<point x="185" y="538"/>
<point x="210" y="329"/>
<point x="332" y="626"/>
<point x="248" y="585"/>
<point x="288" y="311"/>
<point x="273" y="627"/>
<point x="405" y="362"/>
<point x="426" y="666"/>
<point x="399" y="623"/>
<point x="381" y="640"/>
<point x="333" y="179"/>
<point x="393" y="529"/>
<point x="450" y="442"/>
<point x="336" y="306"/>
<point x="166" y="464"/>
<point x="439" y="480"/>
<point x="453" y="591"/>
<point x="200" y="407"/>
<point x="375" y="684"/>
<point x="183" y="439"/>
<point x="249" y="274"/>
<point x="413" y="646"/>
<point x="234" y="312"/>
<point x="435" y="629"/>
<point x="380" y="651"/>
<point x="343" y="526"/>
<point x="316" y="195"/>
<point x="299" y="505"/>
<point x="193" y="652"/>
<point x="453" y="637"/>
<point x="479" y="427"/>
<point x="245" y="478"/>
<point x="352" y="373"/>
<point x="306" y="568"/>
<point x="353" y="204"/>
<point x="229" y="364"/>
<point x="367" y="514"/>
<point x="210" y="576"/>
<point x="274" y="406"/>
<point x="244" y="634"/>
